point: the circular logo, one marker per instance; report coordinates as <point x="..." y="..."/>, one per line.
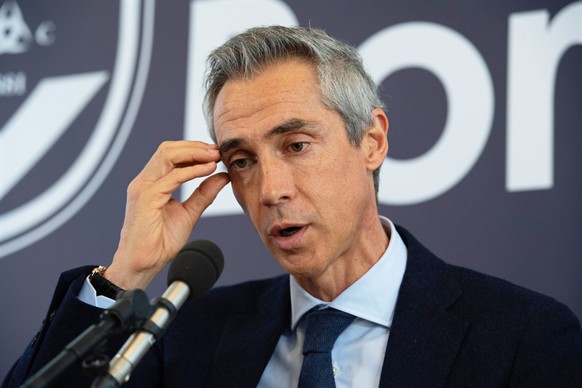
<point x="70" y="89"/>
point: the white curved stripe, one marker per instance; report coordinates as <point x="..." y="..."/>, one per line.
<point x="129" y="8"/>
<point x="40" y="121"/>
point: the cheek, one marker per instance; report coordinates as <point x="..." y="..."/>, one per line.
<point x="247" y="199"/>
<point x="346" y="181"/>
<point x="336" y="172"/>
<point x="239" y="194"/>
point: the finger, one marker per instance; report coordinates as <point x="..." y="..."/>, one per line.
<point x="143" y="190"/>
<point x="206" y="193"/>
<point x="170" y="155"/>
<point x="178" y="176"/>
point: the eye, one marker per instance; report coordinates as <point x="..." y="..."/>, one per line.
<point x="238" y="164"/>
<point x="298" y="147"/>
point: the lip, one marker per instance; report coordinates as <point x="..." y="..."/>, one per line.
<point x="287" y="242"/>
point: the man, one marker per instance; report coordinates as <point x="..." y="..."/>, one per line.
<point x="298" y="124"/>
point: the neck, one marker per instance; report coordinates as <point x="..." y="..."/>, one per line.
<point x="346" y="270"/>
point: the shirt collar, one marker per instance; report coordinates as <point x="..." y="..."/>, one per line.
<point x="373" y="296"/>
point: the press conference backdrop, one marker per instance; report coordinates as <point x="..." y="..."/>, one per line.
<point x="484" y="100"/>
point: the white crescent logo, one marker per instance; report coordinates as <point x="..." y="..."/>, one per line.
<point x="47" y="114"/>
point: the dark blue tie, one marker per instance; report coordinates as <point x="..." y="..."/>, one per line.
<point x="323" y="328"/>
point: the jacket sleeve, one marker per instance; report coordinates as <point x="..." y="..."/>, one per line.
<point x="67" y="317"/>
<point x="550" y="351"/>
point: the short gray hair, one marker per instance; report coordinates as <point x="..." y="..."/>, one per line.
<point x="344" y="84"/>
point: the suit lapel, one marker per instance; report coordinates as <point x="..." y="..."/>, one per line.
<point x="249" y="339"/>
<point x="424" y="337"/>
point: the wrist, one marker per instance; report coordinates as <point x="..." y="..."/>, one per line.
<point x="128" y="279"/>
<point x="102" y="285"/>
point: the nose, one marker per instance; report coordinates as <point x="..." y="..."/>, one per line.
<point x="276" y="182"/>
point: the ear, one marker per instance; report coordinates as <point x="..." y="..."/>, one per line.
<point x="375" y="141"/>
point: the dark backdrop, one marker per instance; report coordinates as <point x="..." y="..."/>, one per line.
<point x="137" y="63"/>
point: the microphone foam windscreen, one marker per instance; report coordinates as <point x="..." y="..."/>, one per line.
<point x="198" y="264"/>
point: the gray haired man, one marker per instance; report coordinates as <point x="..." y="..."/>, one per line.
<point x="301" y="130"/>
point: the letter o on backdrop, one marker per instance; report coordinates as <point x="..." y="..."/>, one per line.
<point x="461" y="69"/>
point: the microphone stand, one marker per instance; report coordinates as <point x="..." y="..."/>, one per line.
<point x="130" y="308"/>
<point x="150" y="330"/>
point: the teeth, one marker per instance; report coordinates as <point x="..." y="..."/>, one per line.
<point x="289" y="231"/>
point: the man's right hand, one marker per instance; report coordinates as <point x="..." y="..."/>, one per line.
<point x="156" y="225"/>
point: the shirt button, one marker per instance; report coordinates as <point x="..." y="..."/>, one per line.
<point x="335" y="369"/>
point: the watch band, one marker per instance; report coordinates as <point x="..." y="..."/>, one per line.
<point x="103" y="286"/>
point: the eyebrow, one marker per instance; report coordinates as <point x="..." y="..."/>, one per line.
<point x="287" y="126"/>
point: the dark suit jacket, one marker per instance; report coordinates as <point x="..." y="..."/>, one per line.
<point x="452" y="327"/>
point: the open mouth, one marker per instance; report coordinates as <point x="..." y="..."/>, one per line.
<point x="289" y="231"/>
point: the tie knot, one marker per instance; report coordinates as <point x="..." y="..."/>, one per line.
<point x="322" y="329"/>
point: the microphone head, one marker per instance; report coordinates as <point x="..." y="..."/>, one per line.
<point x="198" y="264"/>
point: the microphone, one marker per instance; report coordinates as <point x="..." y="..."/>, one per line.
<point x="193" y="271"/>
<point x="131" y="307"/>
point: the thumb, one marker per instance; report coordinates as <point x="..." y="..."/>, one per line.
<point x="205" y="194"/>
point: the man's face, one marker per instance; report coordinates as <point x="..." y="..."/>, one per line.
<point x="308" y="192"/>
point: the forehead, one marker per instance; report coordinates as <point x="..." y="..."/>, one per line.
<point x="280" y="92"/>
